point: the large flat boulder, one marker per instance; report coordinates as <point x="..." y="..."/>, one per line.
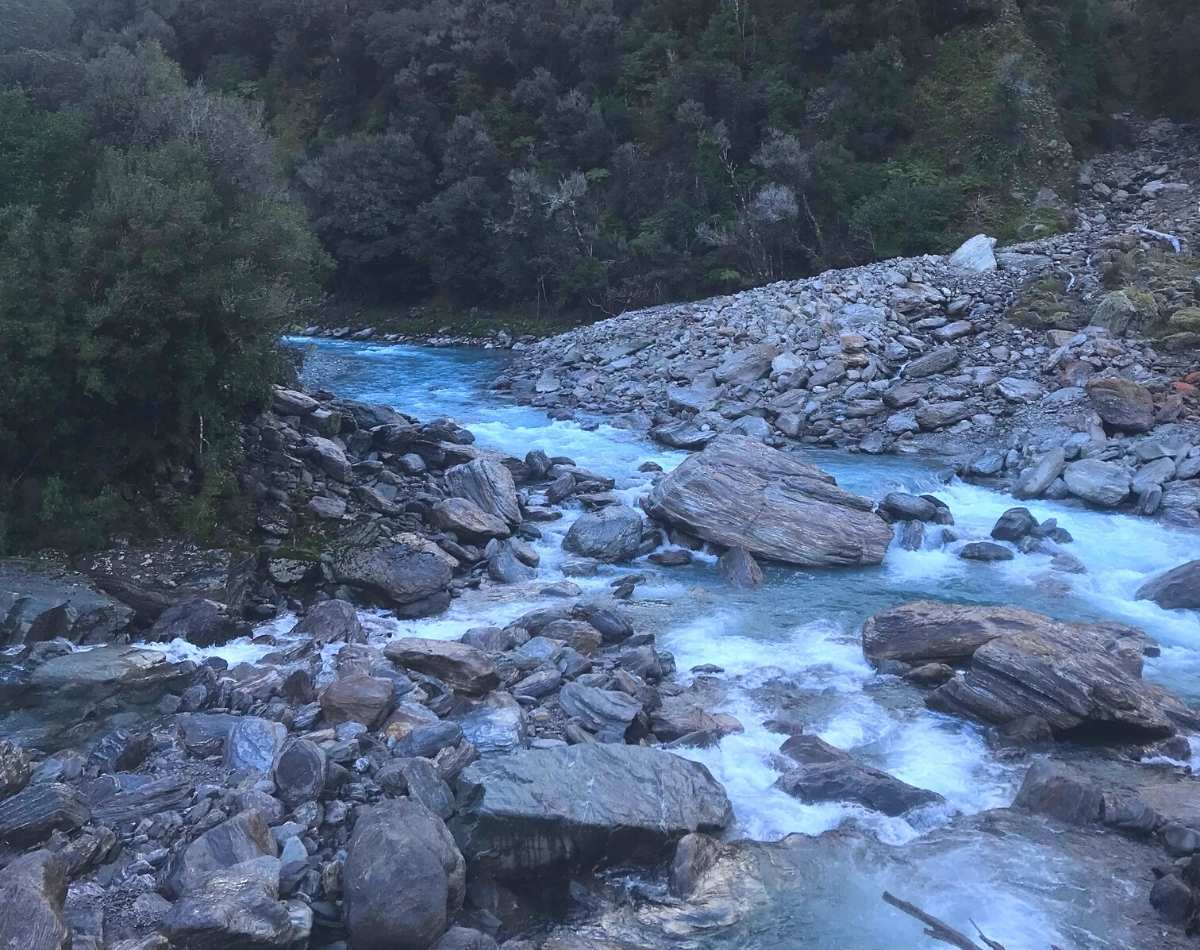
<point x="409" y="572"/>
<point x="741" y="493"/>
<point x="1122" y="404"/>
<point x="465" y="668"/>
<point x="541" y="811"/>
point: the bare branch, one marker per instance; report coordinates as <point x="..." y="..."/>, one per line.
<point x="939" y="930"/>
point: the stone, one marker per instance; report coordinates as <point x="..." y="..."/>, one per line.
<point x="468" y="521"/>
<point x="1177" y="589"/>
<point x="199" y="621"/>
<point x="15" y="768"/>
<point x="463" y="938"/>
<point x="748" y="365"/>
<point x="1034" y="481"/>
<point x="464" y="668"/>
<point x="253" y="743"/>
<point x="937" y="415"/>
<point x="1115" y="312"/>
<point x="327" y="507"/>
<point x="1172" y="898"/>
<point x="612" y="534"/>
<point x="289" y="402"/>
<point x="504" y="567"/>
<point x="738" y="569"/>
<point x="330" y="458"/>
<point x="939" y="360"/>
<point x="1014" y="524"/>
<point x="905" y="507"/>
<point x="243" y="837"/>
<point x="719" y="493"/>
<point x="238" y="908"/>
<point x="408" y="571"/>
<point x="1057" y="791"/>
<point x="488" y="484"/>
<point x="31" y="814"/>
<point x="682" y="435"/>
<point x="299" y="771"/>
<point x="33" y="890"/>
<point x="493" y="725"/>
<point x="403" y="880"/>
<point x="985" y="551"/>
<point x="824" y="773"/>
<point x="694" y="856"/>
<point x="1015" y="389"/>
<point x="975" y="255"/>
<point x="331" y="621"/>
<point x="1104" y="484"/>
<point x="605" y="712"/>
<point x="357" y="698"/>
<point x="1122" y="404"/>
<point x="522" y="816"/>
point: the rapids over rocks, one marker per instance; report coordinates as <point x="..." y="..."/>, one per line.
<point x="790" y="651"/>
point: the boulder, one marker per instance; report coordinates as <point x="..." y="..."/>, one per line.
<point x="1035" y="480"/>
<point x="238" y="908"/>
<point x="357" y="698"/>
<point x="1122" y="404"/>
<point x="31" y="814"/>
<point x="939" y="360"/>
<point x="468" y="521"/>
<point x="289" y="402"/>
<point x="495" y="724"/>
<point x="523" y="816"/>
<point x="33" y="889"/>
<point x="200" y="621"/>
<point x="1104" y="484"/>
<point x="330" y="458"/>
<point x="985" y="551"/>
<point x="243" y="837"/>
<point x="611" y="534"/>
<point x="1115" y="312"/>
<point x="464" y="668"/>
<point x="403" y="880"/>
<point x="503" y="565"/>
<point x="720" y="494"/>
<point x="976" y="255"/>
<point x="1178" y="588"/>
<point x="300" y="772"/>
<point x="682" y="435"/>
<point x="409" y="572"/>
<point x="1052" y="789"/>
<point x="938" y="415"/>
<point x="605" y="712"/>
<point x="748" y="365"/>
<point x="331" y="621"/>
<point x="487" y="483"/>
<point x="1014" y="524"/>
<point x="905" y="507"/>
<point x="824" y="773"/>
<point x="253" y="743"/>
<point x="738" y="568"/>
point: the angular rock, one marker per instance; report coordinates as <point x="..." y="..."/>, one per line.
<point x="488" y="484"/>
<point x="1035" y="480"/>
<point x="30" y="815"/>
<point x="330" y="458"/>
<point x="300" y="772"/>
<point x="253" y="743"/>
<point x="494" y="725"/>
<point x="331" y="621"/>
<point x="826" y="774"/>
<point x="985" y="551"/>
<point x="357" y="698"/>
<point x="522" y="816"/>
<point x="33" y="889"/>
<point x="201" y="621"/>
<point x="467" y="520"/>
<point x="612" y="534"/>
<point x="1105" y="484"/>
<point x="1057" y="791"/>
<point x="409" y="572"/>
<point x="738" y="568"/>
<point x="404" y="878"/>
<point x="1122" y="404"/>
<point x="975" y="255"/>
<point x="602" y="711"/>
<point x="15" y="768"/>
<point x="463" y="667"/>
<point x="1014" y="524"/>
<point x="243" y="837"/>
<point x="1177" y="589"/>
<point x="939" y="360"/>
<point x="720" y="495"/>
<point x="748" y="365"/>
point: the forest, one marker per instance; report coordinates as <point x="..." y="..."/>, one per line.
<point x="181" y="179"/>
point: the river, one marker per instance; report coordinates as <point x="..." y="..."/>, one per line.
<point x="802" y="629"/>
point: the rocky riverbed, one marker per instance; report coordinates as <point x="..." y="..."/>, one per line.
<point x="509" y="680"/>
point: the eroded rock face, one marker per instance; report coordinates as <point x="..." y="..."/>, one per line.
<point x="403" y="878"/>
<point x="1178" y="588"/>
<point x="740" y="493"/>
<point x="523" y="815"/>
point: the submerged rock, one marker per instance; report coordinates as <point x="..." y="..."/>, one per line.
<point x="542" y="811"/>
<point x="722" y="493"/>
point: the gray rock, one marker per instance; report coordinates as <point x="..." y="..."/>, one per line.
<point x="33" y="889"/>
<point x="1015" y="389"/>
<point x="357" y="698"/>
<point x="748" y="365"/>
<point x="463" y="667"/>
<point x="1061" y="793"/>
<point x="243" y="837"/>
<point x="403" y="880"/>
<point x="605" y="712"/>
<point x="937" y="415"/>
<point x="330" y="458"/>
<point x="1035" y="480"/>
<point x="738" y="568"/>
<point x="1177" y="589"/>
<point x="824" y="773"/>
<point x="718" y="494"/>
<point x="492" y="725"/>
<point x="1122" y="404"/>
<point x="522" y="816"/>
<point x="905" y="507"/>
<point x="200" y="621"/>
<point x="504" y="567"/>
<point x="1104" y="484"/>
<point x="985" y="551"/>
<point x="612" y="534"/>
<point x="31" y="814"/>
<point x="408" y="571"/>
<point x="468" y="521"/>
<point x="253" y="743"/>
<point x="682" y="435"/>
<point x="331" y="621"/>
<point x="939" y="360"/>
<point x="975" y="255"/>
<point x="300" y="771"/>
<point x="488" y="484"/>
<point x="15" y="768"/>
<point x="1014" y="524"/>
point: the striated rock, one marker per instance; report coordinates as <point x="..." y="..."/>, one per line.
<point x="939" y="360"/>
<point x="824" y="773"/>
<point x="253" y="743"/>
<point x="720" y="495"/>
<point x="495" y="724"/>
<point x="467" y="520"/>
<point x="30" y="815"/>
<point x="403" y="880"/>
<point x="241" y="838"/>
<point x="738" y="568"/>
<point x="605" y="712"/>
<point x="611" y="534"/>
<point x="465" y="668"/>
<point x="33" y="889"/>
<point x="522" y="816"/>
<point x="1122" y="404"/>
<point x="488" y="484"/>
<point x="15" y="768"/>
<point x="299" y="771"/>
<point x="1178" y="588"/>
<point x="1105" y="484"/>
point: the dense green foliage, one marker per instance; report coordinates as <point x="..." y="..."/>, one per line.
<point x="148" y="263"/>
<point x="164" y="165"/>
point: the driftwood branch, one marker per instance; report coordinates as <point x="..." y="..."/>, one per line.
<point x="939" y="930"/>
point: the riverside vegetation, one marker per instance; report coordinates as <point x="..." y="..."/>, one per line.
<point x="710" y="624"/>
